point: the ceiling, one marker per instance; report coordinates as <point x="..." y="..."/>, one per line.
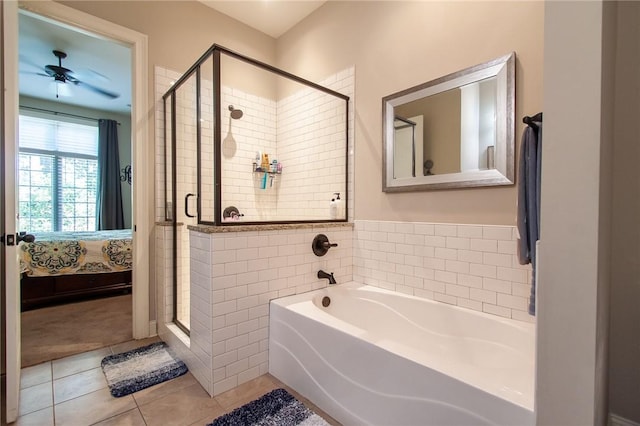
<point x="272" y="17"/>
<point x="94" y="61"/>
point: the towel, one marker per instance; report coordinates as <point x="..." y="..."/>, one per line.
<point x="529" y="202"/>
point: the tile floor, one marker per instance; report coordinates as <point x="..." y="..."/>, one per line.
<point x="72" y="391"/>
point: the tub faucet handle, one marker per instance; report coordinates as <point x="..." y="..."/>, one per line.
<point x="329" y="276"/>
<point x="321" y="245"/>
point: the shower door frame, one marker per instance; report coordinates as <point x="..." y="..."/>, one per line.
<point x="215" y="52"/>
<point x="173" y="217"/>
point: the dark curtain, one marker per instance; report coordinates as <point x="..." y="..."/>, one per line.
<point x="109" y="209"/>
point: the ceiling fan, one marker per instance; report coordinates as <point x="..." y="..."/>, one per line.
<point x="62" y="75"/>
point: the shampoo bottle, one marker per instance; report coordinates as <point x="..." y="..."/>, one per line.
<point x="339" y="210"/>
<point x="333" y="209"/>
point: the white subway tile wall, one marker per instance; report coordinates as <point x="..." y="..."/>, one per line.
<point x="164" y="273"/>
<point x="235" y="274"/>
<point x="241" y="139"/>
<point x="473" y="266"/>
<point x="192" y="355"/>
<point x="164" y="78"/>
<point x="207" y="169"/>
<point x="311" y="136"/>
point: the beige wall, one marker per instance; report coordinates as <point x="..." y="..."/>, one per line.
<point x="247" y="78"/>
<point x="396" y="45"/>
<point x="124" y="137"/>
<point x="441" y="132"/>
<point x="624" y="349"/>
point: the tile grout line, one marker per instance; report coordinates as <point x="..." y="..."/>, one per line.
<point x="138" y="408"/>
<point x="53" y="402"/>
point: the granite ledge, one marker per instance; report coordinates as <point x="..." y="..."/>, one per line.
<point x="168" y="223"/>
<point x="209" y="229"/>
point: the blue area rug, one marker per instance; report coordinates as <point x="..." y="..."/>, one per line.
<point x="277" y="407"/>
<point x="140" y="368"/>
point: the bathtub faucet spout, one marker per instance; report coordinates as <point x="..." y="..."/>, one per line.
<point x="323" y="274"/>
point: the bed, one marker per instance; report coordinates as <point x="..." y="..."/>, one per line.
<point x="60" y="267"/>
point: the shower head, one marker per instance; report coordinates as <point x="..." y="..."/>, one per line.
<point x="235" y="113"/>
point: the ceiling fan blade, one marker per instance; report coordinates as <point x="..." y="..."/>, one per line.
<point x="26" y="61"/>
<point x="91" y="75"/>
<point x="97" y="89"/>
<point x="35" y="73"/>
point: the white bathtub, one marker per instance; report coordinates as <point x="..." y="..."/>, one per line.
<point x="382" y="358"/>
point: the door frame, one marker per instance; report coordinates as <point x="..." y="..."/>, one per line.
<point x="142" y="171"/>
<point x="11" y="308"/>
<point x="138" y="43"/>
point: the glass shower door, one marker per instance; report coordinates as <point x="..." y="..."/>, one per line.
<point x="184" y="134"/>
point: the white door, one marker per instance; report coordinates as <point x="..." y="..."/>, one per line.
<point x="9" y="103"/>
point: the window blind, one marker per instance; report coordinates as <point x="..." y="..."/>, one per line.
<point x="58" y="174"/>
<point x="58" y="136"/>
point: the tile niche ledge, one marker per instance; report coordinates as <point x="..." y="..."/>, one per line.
<point x="209" y="229"/>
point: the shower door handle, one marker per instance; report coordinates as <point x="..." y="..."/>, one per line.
<point x="186" y="204"/>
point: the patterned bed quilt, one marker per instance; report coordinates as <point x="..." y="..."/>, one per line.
<point x="63" y="253"/>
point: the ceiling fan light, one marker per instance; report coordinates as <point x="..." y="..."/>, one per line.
<point x="60" y="88"/>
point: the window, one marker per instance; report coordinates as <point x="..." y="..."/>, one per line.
<point x="58" y="175"/>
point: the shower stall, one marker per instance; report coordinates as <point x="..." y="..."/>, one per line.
<point x="248" y="143"/>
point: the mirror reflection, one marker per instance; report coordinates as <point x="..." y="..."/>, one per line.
<point x="456" y="131"/>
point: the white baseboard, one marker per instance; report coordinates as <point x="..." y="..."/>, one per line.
<point x="615" y="420"/>
<point x="153" y="328"/>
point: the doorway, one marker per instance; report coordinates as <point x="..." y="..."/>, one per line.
<point x="142" y="326"/>
<point x="72" y="85"/>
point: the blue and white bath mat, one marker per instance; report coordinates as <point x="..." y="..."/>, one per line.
<point x="276" y="408"/>
<point x="140" y="368"/>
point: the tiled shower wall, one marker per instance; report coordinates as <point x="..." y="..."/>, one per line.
<point x="311" y="133"/>
<point x="241" y="139"/>
<point x="164" y="78"/>
<point x="234" y="275"/>
<point x="473" y="266"/>
<point x="305" y="132"/>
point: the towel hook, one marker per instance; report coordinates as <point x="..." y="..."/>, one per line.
<point x="530" y="121"/>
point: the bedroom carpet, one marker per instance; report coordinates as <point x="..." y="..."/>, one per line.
<point x="60" y="331"/>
